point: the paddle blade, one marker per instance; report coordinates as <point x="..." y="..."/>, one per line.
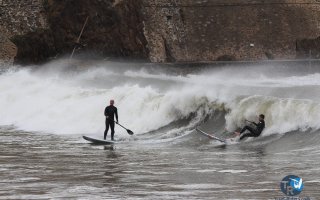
<point x="129" y="132"/>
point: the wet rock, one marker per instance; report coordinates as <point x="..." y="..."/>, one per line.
<point x="114" y="28"/>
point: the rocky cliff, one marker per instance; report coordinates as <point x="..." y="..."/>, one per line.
<point x="114" y="28"/>
<point x="18" y="17"/>
<point x="160" y="30"/>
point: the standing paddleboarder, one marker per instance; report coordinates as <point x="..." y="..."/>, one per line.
<point x="109" y="112"/>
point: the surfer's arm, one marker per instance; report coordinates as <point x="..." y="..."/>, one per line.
<point x="251" y="122"/>
<point x="105" y="112"/>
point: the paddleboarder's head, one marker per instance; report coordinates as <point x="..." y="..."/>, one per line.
<point x="111" y="102"/>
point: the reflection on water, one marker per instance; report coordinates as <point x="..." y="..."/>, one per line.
<point x="38" y="166"/>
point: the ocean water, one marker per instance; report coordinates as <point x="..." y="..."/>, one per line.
<point x="44" y="111"/>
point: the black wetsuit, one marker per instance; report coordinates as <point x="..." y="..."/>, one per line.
<point x="254" y="132"/>
<point x="109" y="112"/>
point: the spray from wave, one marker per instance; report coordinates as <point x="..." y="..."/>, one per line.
<point x="60" y="100"/>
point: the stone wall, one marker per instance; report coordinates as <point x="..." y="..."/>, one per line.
<point x="208" y="30"/>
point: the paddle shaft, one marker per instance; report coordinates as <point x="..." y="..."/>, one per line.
<point x="128" y="130"/>
<point x="121" y="126"/>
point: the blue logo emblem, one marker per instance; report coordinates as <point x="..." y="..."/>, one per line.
<point x="291" y="185"/>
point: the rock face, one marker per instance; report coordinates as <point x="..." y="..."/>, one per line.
<point x="18" y="17"/>
<point x="114" y="28"/>
<point x="34" y="31"/>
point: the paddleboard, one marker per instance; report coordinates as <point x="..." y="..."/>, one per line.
<point x="98" y="141"/>
<point x="213" y="137"/>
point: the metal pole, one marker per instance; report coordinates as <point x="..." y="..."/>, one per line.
<point x="78" y="40"/>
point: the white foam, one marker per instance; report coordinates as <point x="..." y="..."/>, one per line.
<point x="53" y="100"/>
<point x="233" y="171"/>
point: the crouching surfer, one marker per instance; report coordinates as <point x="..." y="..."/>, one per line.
<point x="110" y="111"/>
<point x="253" y="132"/>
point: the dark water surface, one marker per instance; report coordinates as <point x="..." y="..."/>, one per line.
<point x="42" y="166"/>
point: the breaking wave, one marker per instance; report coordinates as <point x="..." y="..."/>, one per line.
<point x="61" y="99"/>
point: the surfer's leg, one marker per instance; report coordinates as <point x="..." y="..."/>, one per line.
<point x="246" y="135"/>
<point x="245" y="128"/>
<point x="107" y="129"/>
<point x="112" y="130"/>
<point x="250" y="134"/>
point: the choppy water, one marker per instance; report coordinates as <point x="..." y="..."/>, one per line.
<point x="44" y="113"/>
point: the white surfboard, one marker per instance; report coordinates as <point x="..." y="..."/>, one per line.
<point x="98" y="141"/>
<point x="213" y="137"/>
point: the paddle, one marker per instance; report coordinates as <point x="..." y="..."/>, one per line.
<point x="128" y="130"/>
